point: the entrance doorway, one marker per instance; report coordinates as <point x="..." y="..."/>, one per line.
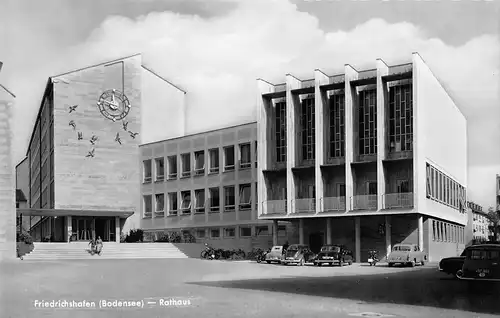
<point x="85" y="228"/>
<point x="316" y="241"/>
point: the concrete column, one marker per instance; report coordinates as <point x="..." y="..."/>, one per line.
<point x="69" y="228"/>
<point x="357" y="231"/>
<point x="419" y="173"/>
<point x="117" y="229"/>
<point x="264" y="106"/>
<point x="291" y="136"/>
<point x="275" y="232"/>
<point x="328" y="231"/>
<point x="301" y="231"/>
<point x="350" y="100"/>
<point x="420" y="231"/>
<point x="319" y="104"/>
<point x="382" y="89"/>
<point x="388" y="241"/>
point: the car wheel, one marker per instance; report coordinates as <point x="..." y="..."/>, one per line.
<point x="390" y="264"/>
<point x="422" y="263"/>
<point x="459" y="274"/>
<point x="341" y="262"/>
<point x="269" y="262"/>
<point x="350" y="263"/>
<point x="318" y="264"/>
<point x="412" y="263"/>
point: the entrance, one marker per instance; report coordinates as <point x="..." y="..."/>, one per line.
<point x="87" y="227"/>
<point x="316" y="241"/>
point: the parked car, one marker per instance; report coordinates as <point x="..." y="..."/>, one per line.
<point x="298" y="254"/>
<point x="406" y="254"/>
<point x="333" y="254"/>
<point x="451" y="265"/>
<point x="482" y="263"/>
<point x="275" y="255"/>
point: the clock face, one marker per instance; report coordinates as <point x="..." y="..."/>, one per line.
<point x="113" y="105"/>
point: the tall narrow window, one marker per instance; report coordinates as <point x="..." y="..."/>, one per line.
<point x="400" y="118"/>
<point x="245" y="196"/>
<point x="337" y="125"/>
<point x="340" y="190"/>
<point x="172" y="203"/>
<point x="186" y="202"/>
<point x="367" y="110"/>
<point x="214" y="199"/>
<point x="200" y="201"/>
<point x="371" y="188"/>
<point x="229" y="198"/>
<point x="229" y="158"/>
<point x="148" y="205"/>
<point x="159" y="169"/>
<point x="213" y="157"/>
<point x="186" y="165"/>
<point x="160" y="203"/>
<point x="280" y="129"/>
<point x="307" y="127"/>
<point x="256" y="158"/>
<point x="245" y="156"/>
<point x="172" y="167"/>
<point x="199" y="161"/>
<point x="147" y="171"/>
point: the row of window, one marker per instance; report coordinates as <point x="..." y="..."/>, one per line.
<point x="244" y="231"/>
<point x="201" y="200"/>
<point x="446" y="232"/>
<point x="444" y="189"/>
<point x="242" y="159"/>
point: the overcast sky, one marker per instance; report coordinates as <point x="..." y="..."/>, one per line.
<point x="216" y="49"/>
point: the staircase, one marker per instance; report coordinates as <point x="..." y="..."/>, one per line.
<point x="110" y="250"/>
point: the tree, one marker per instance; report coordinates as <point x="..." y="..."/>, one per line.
<point x="494" y="219"/>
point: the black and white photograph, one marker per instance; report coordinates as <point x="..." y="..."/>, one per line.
<point x="249" y="158"/>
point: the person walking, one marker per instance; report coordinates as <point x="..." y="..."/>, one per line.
<point x="99" y="245"/>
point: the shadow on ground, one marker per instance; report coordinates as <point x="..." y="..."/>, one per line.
<point x="192" y="250"/>
<point x="422" y="287"/>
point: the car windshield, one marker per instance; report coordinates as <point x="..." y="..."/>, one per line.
<point x="483" y="254"/>
<point x="402" y="248"/>
<point x="330" y="249"/>
<point x="293" y="248"/>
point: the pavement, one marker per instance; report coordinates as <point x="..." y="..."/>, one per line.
<point x="192" y="287"/>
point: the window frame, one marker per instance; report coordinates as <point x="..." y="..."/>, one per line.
<point x="229" y="207"/>
<point x="247" y="164"/>
<point x="229" y="168"/>
<point x="171" y="195"/>
<point x="243" y="206"/>
<point x="213" y="209"/>
<point x="172" y="161"/>
<point x="158" y="211"/>
<point x="199" y="209"/>
<point x="185" y="173"/>
<point x="145" y="177"/>
<point x="199" y="171"/>
<point x="186" y="211"/>
<point x="158" y="177"/>
<point x="147" y="198"/>
<point x="213" y="169"/>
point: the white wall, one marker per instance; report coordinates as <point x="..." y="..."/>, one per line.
<point x="163" y="109"/>
<point x="441" y="139"/>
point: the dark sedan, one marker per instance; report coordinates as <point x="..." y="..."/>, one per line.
<point x="452" y="265"/>
<point x="333" y="254"/>
<point x="298" y="254"/>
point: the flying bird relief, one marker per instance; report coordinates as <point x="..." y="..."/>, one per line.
<point x="91" y="153"/>
<point x="125" y="124"/>
<point x="117" y="138"/>
<point x="80" y="135"/>
<point x="132" y="134"/>
<point x="93" y="139"/>
<point x="72" y="124"/>
<point x="72" y="108"/>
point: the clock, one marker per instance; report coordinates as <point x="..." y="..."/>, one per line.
<point x="114" y="105"/>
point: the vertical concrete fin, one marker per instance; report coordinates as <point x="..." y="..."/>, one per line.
<point x="321" y="109"/>
<point x="350" y="136"/>
<point x="292" y="102"/>
<point x="382" y="89"/>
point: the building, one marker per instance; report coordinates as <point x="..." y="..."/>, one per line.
<point x="7" y="186"/>
<point x="206" y="184"/>
<point x="498" y="193"/>
<point x="366" y="159"/>
<point x="480" y="223"/>
<point x="82" y="164"/>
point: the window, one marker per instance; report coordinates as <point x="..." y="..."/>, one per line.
<point x="200" y="200"/>
<point x="172" y="201"/>
<point x="148" y="205"/>
<point x="160" y="203"/>
<point x="280" y="129"/>
<point x="160" y="169"/>
<point x="201" y="233"/>
<point x="245" y="156"/>
<point x="434" y="230"/>
<point x="186" y="165"/>
<point x="307" y="128"/>
<point x="367" y="122"/>
<point x="172" y="167"/>
<point x="400" y="118"/>
<point x="213" y="158"/>
<point x="281" y="230"/>
<point x="245" y="231"/>
<point x="256" y="158"/>
<point x="403" y="186"/>
<point x="229" y="198"/>
<point x="147" y="171"/>
<point x="199" y="162"/>
<point x="186" y="202"/>
<point x="261" y="230"/>
<point x="245" y="196"/>
<point x="214" y="233"/>
<point x="229" y="158"/>
<point x="214" y="199"/>
<point x="371" y="188"/>
<point x="340" y="190"/>
<point x="229" y="232"/>
<point x="337" y="125"/>
<point x="256" y="196"/>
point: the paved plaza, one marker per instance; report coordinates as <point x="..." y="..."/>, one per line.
<point x="236" y="289"/>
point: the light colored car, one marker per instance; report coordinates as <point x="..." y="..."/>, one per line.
<point x="299" y="255"/>
<point x="406" y="254"/>
<point x="275" y="255"/>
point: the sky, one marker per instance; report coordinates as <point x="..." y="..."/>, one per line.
<point x="215" y="50"/>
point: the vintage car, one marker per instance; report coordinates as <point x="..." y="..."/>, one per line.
<point x="482" y="263"/>
<point x="452" y="265"/>
<point x="298" y="254"/>
<point x="333" y="254"/>
<point x="406" y="254"/>
<point x="275" y="255"/>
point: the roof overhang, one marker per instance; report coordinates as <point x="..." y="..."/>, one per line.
<point x="63" y="212"/>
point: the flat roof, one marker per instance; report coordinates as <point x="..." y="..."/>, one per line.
<point x="66" y="212"/>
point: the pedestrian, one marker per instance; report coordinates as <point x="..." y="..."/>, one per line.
<point x="92" y="246"/>
<point x="99" y="245"/>
<point x="285" y="247"/>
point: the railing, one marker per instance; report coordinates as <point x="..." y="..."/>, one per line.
<point x="274" y="207"/>
<point x="333" y="204"/>
<point x="336" y="79"/>
<point x="172" y="176"/>
<point x="172" y="212"/>
<point x="245" y="165"/>
<point x="213" y="170"/>
<point x="229" y="208"/>
<point x="245" y="206"/>
<point x="305" y="205"/>
<point x="185" y="174"/>
<point x="212" y="208"/>
<point x="147" y="179"/>
<point x="280" y="88"/>
<point x="229" y="168"/>
<point x="160" y="178"/>
<point x="147" y="215"/>
<point x="400" y="69"/>
<point x="199" y="210"/>
<point x="398" y="200"/>
<point x="199" y="171"/>
<point x="278" y="165"/>
<point x="364" y="202"/>
<point x="186" y="210"/>
<point x="160" y="213"/>
<point x="308" y="83"/>
<point x="367" y="74"/>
